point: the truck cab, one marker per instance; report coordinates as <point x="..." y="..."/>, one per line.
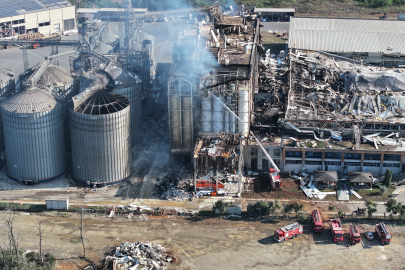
<point x="354" y="234"/>
<point x="336" y="230"/>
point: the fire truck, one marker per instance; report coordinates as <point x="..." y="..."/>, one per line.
<point x="290" y="231"/>
<point x="275" y="179"/>
<point x="354" y="234"/>
<point x="383" y="233"/>
<point x="336" y="230"/>
<point x="317" y="221"/>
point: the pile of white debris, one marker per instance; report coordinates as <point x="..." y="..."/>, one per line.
<point x="139" y="256"/>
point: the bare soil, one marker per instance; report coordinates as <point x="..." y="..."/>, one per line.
<point x="212" y="243"/>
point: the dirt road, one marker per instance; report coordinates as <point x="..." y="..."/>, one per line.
<point x="213" y="243"/>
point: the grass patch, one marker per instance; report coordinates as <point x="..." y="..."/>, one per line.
<point x="272" y="42"/>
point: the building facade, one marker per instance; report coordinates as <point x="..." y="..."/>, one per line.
<point x="28" y="17"/>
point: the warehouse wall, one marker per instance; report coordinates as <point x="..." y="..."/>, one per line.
<point x="52" y="20"/>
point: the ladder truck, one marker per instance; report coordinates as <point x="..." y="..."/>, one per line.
<point x="383" y="233"/>
<point x="317" y="221"/>
<point x="354" y="234"/>
<point x="275" y="179"/>
<point x="336" y="230"/>
<point x="287" y="232"/>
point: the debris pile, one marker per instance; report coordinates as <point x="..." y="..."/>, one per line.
<point x="173" y="188"/>
<point x="139" y="255"/>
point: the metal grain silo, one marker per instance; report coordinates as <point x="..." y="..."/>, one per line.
<point x="58" y="81"/>
<point x="101" y="139"/>
<point x="127" y="84"/>
<point x="7" y="86"/>
<point x="33" y="135"/>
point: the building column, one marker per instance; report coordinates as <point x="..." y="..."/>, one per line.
<point x="401" y="160"/>
<point x="381" y="163"/>
<point x="282" y="159"/>
<point x="362" y="161"/>
<point x="303" y="159"/>
<point x="323" y="160"/>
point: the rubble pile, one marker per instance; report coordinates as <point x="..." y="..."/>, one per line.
<point x="173" y="188"/>
<point x="140" y="256"/>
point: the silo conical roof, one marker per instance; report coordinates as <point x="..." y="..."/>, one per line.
<point x="30" y="101"/>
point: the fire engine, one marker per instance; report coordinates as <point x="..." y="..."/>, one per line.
<point x="383" y="233"/>
<point x="354" y="234"/>
<point x="290" y="231"/>
<point x="275" y="179"/>
<point x="336" y="230"/>
<point x="317" y="221"/>
<point x="210" y="187"/>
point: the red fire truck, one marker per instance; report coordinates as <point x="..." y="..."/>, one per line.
<point x="275" y="179"/>
<point x="336" y="230"/>
<point x="354" y="234"/>
<point x="290" y="231"/>
<point x="383" y="233"/>
<point x="317" y="221"/>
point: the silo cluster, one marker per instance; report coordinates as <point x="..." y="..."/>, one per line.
<point x="99" y="125"/>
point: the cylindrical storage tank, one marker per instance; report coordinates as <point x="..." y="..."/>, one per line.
<point x="206" y="114"/>
<point x="34" y="136"/>
<point x="7" y="82"/>
<point x="232" y="123"/>
<point x="59" y="81"/>
<point x="7" y="86"/>
<point x="243" y="107"/>
<point x="175" y="122"/>
<point x="217" y="114"/>
<point x="226" y="122"/>
<point x="129" y="85"/>
<point x="187" y="123"/>
<point x="101" y="139"/>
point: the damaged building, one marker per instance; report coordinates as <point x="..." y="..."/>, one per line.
<point x="335" y="102"/>
<point x="210" y="93"/>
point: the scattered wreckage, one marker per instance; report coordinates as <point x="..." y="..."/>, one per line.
<point x="139" y="256"/>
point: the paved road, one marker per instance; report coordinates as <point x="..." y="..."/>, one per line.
<point x="401" y="197"/>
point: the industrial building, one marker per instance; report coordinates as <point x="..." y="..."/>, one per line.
<point x="210" y="90"/>
<point x="28" y="17"/>
<point x="335" y="103"/>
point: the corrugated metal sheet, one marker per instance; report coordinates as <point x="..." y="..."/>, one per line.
<point x="33" y="134"/>
<point x="101" y="143"/>
<point x="347" y="35"/>
<point x="275" y="10"/>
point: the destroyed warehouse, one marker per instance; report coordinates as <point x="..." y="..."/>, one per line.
<point x="336" y="101"/>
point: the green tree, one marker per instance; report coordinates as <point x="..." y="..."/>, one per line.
<point x="400" y="209"/>
<point x="391" y="206"/>
<point x="297" y="207"/>
<point x="250" y="208"/>
<point x="221" y="206"/>
<point x="302" y="216"/>
<point x="387" y="178"/>
<point x="287" y="209"/>
<point x="340" y="213"/>
<point x="371" y="208"/>
<point x="332" y="208"/>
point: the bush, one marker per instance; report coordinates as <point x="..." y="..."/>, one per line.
<point x="332" y="208"/>
<point x="221" y="206"/>
<point x="302" y="216"/>
<point x="387" y="178"/>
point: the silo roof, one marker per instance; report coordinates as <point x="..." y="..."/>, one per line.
<point x="102" y="102"/>
<point x="30" y="101"/>
<point x="55" y="74"/>
<point x="122" y="77"/>
<point x="6" y="75"/>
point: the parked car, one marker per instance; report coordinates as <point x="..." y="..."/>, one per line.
<point x="369" y="235"/>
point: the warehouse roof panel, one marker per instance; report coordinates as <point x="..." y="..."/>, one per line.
<point x="275" y="10"/>
<point x="347" y="35"/>
<point x="17" y="7"/>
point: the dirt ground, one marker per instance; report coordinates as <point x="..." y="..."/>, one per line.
<point x="213" y="243"/>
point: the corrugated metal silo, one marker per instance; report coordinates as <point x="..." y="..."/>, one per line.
<point x="129" y="85"/>
<point x="7" y="86"/>
<point x="59" y="81"/>
<point x="33" y="134"/>
<point x="101" y="139"/>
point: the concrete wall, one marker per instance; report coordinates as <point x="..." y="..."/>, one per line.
<point x="57" y="204"/>
<point x="271" y="150"/>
